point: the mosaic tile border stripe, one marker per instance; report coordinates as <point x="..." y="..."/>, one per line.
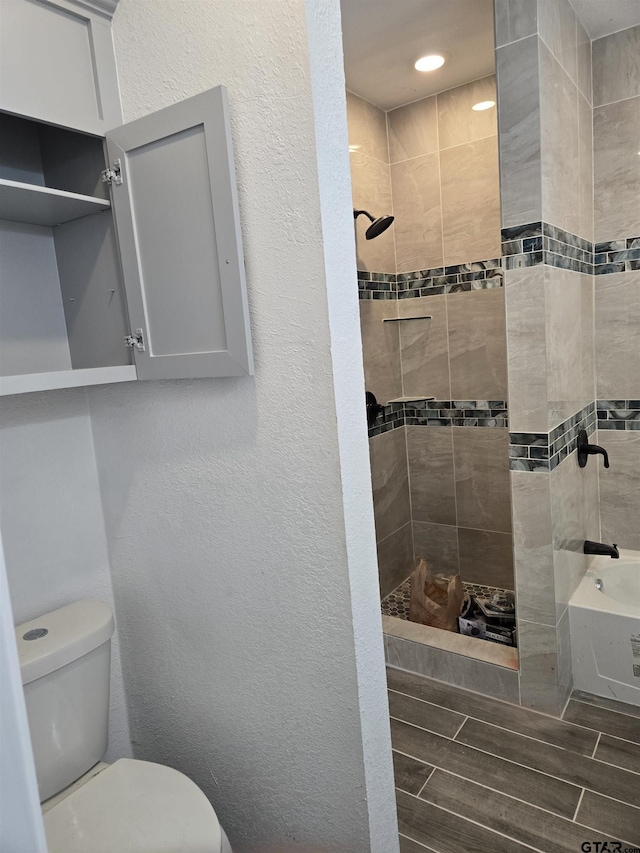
<point x="459" y="278"/>
<point x="542" y="243"/>
<point x="522" y="246"/>
<point x="620" y="255"/>
<point x="544" y="451"/>
<point x="441" y="413"/>
<point x="618" y="414"/>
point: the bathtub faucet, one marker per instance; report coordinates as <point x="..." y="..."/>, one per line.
<point x="602" y="549"/>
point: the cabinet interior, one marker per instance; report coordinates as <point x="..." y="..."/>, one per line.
<point x="62" y="303"/>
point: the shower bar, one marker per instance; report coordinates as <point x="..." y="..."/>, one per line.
<point x="402" y="319"/>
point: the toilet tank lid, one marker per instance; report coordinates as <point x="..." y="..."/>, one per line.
<point x="62" y="636"/>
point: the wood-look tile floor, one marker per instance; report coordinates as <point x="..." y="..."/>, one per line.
<point x="476" y="774"/>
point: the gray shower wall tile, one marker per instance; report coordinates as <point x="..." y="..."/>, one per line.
<point x="371" y="190"/>
<point x="395" y="559"/>
<point x="431" y="474"/>
<point x="617" y="320"/>
<point x="533" y="548"/>
<point x="585" y="169"/>
<point x="486" y="557"/>
<point x="557" y="26"/>
<point x="367" y="126"/>
<point x="482" y="479"/>
<point x="559" y="141"/>
<point x="526" y="349"/>
<point x="457" y="122"/>
<point x="514" y="20"/>
<point x="569" y="522"/>
<point x="471" y="674"/>
<point x="380" y="349"/>
<point x="616" y="130"/>
<point x="538" y="652"/>
<point x="587" y="337"/>
<point x="563" y="319"/>
<point x="477" y="345"/>
<point x="519" y="140"/>
<point x="418" y="224"/>
<point x="413" y="130"/>
<point x="620" y="488"/>
<point x="438" y="544"/>
<point x="424" y="348"/>
<point x="584" y="62"/>
<point x="470" y="201"/>
<point x="616" y="66"/>
<point x="565" y="668"/>
<point x="390" y="482"/>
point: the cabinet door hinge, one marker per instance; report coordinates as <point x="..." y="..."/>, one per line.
<point x="114" y="175"/>
<point x="136" y="340"/>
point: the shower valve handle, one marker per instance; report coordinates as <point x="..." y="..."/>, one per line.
<point x="585" y="450"/>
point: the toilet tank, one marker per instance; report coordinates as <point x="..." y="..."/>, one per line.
<point x="65" y="661"/>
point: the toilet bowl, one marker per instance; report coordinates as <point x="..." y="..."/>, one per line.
<point x="135" y="806"/>
<point x="129" y="806"/>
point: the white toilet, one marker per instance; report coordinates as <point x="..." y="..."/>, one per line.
<point x="128" y="806"/>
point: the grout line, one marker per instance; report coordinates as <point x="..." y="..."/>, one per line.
<point x="607" y="710"/>
<point x="502" y="758"/>
<point x="413" y="840"/>
<point x="441" y="215"/>
<point x="435" y="94"/>
<point x="388" y="536"/>
<point x="632" y="845"/>
<point x="447" y="148"/>
<point x="431" y="772"/>
<point x="484" y="826"/>
<point x="460" y="729"/>
<point x="503" y="794"/>
<point x="575" y="814"/>
<point x="528" y="766"/>
<point x="488" y="787"/>
<point x="508" y="43"/>
<point x="563" y="748"/>
<point x="612" y="103"/>
<point x="498" y="702"/>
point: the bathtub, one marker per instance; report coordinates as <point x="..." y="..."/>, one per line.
<point x="605" y="629"/>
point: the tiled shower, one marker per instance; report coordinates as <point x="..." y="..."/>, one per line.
<point x="439" y="448"/>
<point x="531" y="282"/>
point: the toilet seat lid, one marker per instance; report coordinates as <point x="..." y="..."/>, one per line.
<point x="134" y="807"/>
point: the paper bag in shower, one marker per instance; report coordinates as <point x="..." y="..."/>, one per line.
<point x="435" y="599"/>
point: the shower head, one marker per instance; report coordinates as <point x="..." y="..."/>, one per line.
<point x="377" y="225"/>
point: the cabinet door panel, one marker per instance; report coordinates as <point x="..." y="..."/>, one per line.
<point x="57" y="65"/>
<point x="178" y="227"/>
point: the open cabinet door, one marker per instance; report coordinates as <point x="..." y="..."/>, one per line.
<point x="176" y="212"/>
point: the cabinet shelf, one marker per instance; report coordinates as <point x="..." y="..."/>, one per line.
<point x="36" y="205"/>
<point x="66" y="379"/>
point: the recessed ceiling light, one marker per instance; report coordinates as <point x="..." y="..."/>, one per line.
<point x="429" y="63"/>
<point x="353" y="148"/>
<point x="483" y="105"/>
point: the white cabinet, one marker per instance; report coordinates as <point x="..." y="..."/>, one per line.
<point x="120" y="255"/>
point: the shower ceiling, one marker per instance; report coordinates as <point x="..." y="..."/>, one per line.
<point x="383" y="38"/>
<point x="602" y="17"/>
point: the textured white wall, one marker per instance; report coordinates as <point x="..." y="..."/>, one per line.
<point x="51" y="519"/>
<point x="238" y="512"/>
